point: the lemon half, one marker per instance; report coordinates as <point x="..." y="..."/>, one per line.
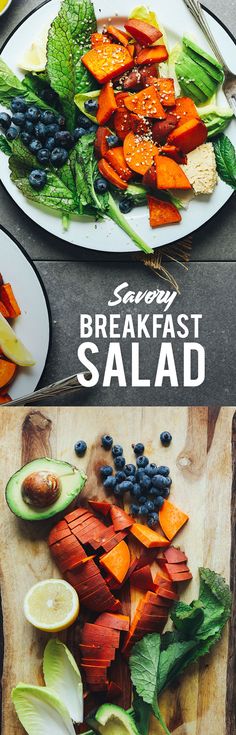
<point x="35" y="57"/>
<point x="51" y="605"/>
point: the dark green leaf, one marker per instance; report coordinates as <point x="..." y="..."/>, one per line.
<point x="4" y="146"/>
<point x="225" y="160"/>
<point x="142" y="712"/>
<point x="187" y="618"/>
<point x="11" y="86"/>
<point x="144" y="662"/>
<point x="68" y="40"/>
<point x="55" y="194"/>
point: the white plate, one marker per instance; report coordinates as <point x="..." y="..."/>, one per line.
<point x="106" y="236"/>
<point x="33" y="326"/>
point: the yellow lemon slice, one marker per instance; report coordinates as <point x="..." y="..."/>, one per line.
<point x="35" y="57"/>
<point x="51" y="605"/>
<point x="12" y="346"/>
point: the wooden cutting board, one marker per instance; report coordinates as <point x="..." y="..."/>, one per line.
<point x="201" y="467"/>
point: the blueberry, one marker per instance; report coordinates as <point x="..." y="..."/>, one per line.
<point x="38" y="179"/>
<point x="107" y="441"/>
<point x="52" y="129"/>
<point x="160" y="481"/>
<point x="153" y="520"/>
<point x="125" y="205"/>
<point x="78" y="133"/>
<point x="110" y="482"/>
<point x="5" y="120"/>
<point x="151" y="469"/>
<point x="100" y="185"/>
<point x="117" y="491"/>
<point x="126" y="486"/>
<point x="139" y="473"/>
<point x="43" y="156"/>
<point x="83" y="121"/>
<point x="105" y="471"/>
<point x="49" y="96"/>
<point x="163" y="470"/>
<point x="154" y="492"/>
<point x="47" y="117"/>
<point x="80" y="448"/>
<point x="165" y="492"/>
<point x="131" y="478"/>
<point x="130" y="469"/>
<point x="142" y="500"/>
<point x="26" y="138"/>
<point x="91" y="106"/>
<point x="40" y="131"/>
<point x="29" y="127"/>
<point x="134" y="509"/>
<point x="165" y="438"/>
<point x="93" y="128"/>
<point x="33" y="114"/>
<point x="117" y="450"/>
<point x="136" y="492"/>
<point x="64" y="139"/>
<point x="150" y="506"/>
<point x="50" y="144"/>
<point x="112" y="141"/>
<point x="142" y="510"/>
<point x="145" y="482"/>
<point x="19" y="119"/>
<point x="58" y="157"/>
<point x="138" y="448"/>
<point x="158" y="502"/>
<point x="35" y="145"/>
<point x="119" y="462"/>
<point x="18" y="104"/>
<point x="142" y="461"/>
<point x="61" y="121"/>
<point x="12" y="132"/>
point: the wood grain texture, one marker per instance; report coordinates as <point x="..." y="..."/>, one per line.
<point x="202" y="484"/>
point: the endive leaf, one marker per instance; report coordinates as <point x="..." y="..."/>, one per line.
<point x="62" y="675"/>
<point x="40" y="711"/>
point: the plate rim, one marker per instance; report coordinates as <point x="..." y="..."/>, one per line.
<point x="94" y="250"/>
<point x="43" y="289"/>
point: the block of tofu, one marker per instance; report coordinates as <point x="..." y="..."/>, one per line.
<point x="201" y="169"/>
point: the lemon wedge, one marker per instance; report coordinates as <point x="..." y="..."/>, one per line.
<point x="35" y="57"/>
<point x="51" y="605"/>
<point x="12" y="346"/>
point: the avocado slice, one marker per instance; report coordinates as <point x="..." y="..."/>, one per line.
<point x="113" y="720"/>
<point x="190" y="45"/>
<point x="70" y="480"/>
<point x="192" y="74"/>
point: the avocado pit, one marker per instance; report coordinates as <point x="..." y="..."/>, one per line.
<point x="41" y="489"/>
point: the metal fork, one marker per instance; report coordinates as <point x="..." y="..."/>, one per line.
<point x="229" y="85"/>
<point x="55" y="390"/>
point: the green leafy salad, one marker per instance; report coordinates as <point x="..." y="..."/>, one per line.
<point x="105" y="122"/>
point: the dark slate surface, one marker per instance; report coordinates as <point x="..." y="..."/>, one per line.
<point x="78" y="280"/>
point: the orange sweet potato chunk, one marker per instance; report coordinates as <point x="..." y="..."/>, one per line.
<point x="146" y="103"/>
<point x="107" y="61"/>
<point x="162" y="213"/>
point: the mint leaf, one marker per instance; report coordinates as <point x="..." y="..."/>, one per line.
<point x="11" y="86"/>
<point x="225" y="160"/>
<point x="4" y="146"/>
<point x="68" y="39"/>
<point x="144" y="662"/>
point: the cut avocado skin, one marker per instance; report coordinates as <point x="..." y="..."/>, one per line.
<point x="113" y="720"/>
<point x="71" y="479"/>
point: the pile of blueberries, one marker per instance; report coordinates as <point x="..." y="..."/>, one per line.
<point x="44" y="134"/>
<point x="147" y="483"/>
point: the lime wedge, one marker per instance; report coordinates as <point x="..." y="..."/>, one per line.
<point x="12" y="346"/>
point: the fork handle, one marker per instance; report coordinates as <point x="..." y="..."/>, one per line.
<point x="65" y="386"/>
<point x="197" y="12"/>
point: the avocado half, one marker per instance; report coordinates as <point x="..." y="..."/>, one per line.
<point x="71" y="482"/>
<point x="113" y="720"/>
